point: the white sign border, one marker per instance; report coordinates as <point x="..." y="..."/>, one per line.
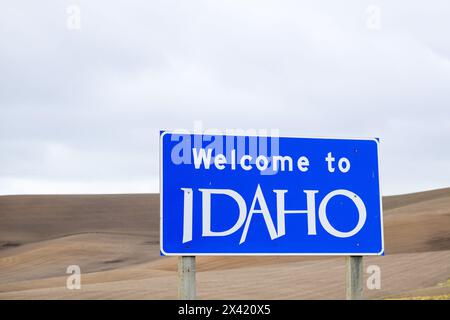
<point x="161" y="136"/>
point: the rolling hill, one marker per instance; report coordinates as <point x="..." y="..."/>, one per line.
<point x="115" y="241"/>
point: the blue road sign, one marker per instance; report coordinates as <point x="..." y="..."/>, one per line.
<point x="259" y="195"/>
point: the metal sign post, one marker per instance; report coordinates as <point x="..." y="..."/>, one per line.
<point x="186" y="278"/>
<point x="354" y="277"/>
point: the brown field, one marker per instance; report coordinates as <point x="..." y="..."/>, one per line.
<point x="115" y="241"/>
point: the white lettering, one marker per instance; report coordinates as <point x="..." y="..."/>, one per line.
<point x="259" y="197"/>
<point x="310" y="211"/>
<point x="359" y="205"/>
<point x="220" y="161"/>
<point x="201" y="157"/>
<point x="303" y="163"/>
<point x="206" y="203"/>
<point x="329" y="159"/>
<point x="245" y="219"/>
<point x="344" y="168"/>
<point x="263" y="166"/>
<point x="244" y="166"/>
<point x="187" y="214"/>
<point x="282" y="161"/>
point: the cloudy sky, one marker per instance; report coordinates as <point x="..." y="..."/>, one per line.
<point x="85" y="86"/>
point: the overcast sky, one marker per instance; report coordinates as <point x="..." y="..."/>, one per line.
<point x="81" y="105"/>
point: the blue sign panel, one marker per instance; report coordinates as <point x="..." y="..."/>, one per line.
<point x="262" y="195"/>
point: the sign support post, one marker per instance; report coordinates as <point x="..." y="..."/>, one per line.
<point x="186" y="278"/>
<point x="354" y="277"/>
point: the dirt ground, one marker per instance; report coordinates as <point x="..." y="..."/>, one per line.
<point x="115" y="241"/>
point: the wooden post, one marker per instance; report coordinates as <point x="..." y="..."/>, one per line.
<point x="354" y="278"/>
<point x="186" y="278"/>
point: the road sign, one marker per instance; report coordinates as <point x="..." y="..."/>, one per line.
<point x="257" y="195"/>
